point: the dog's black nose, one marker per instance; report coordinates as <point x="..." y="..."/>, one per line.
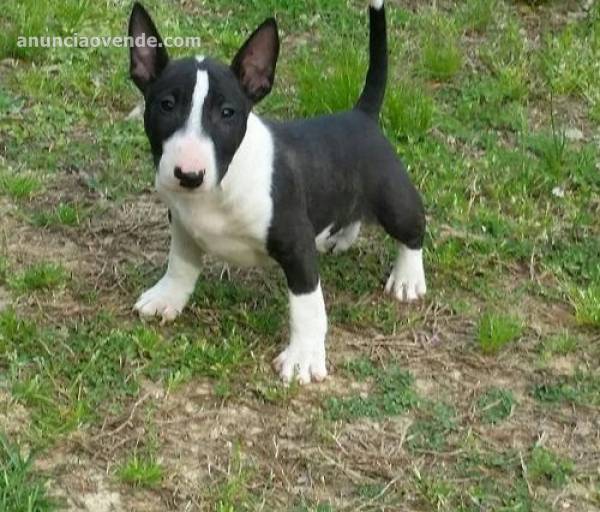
<point x="189" y="179"/>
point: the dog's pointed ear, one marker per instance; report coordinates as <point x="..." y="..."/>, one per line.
<point x="255" y="62"/>
<point x="147" y="53"/>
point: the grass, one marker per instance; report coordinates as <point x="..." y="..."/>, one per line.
<point x="482" y="102"/>
<point x="441" y="55"/>
<point x="478" y="15"/>
<point x="19" y="187"/>
<point x="434" y="491"/>
<point x="62" y="215"/>
<point x="269" y="392"/>
<point x="495" y="331"/>
<point x="40" y="276"/>
<point x="495" y="405"/>
<point x="410" y="111"/>
<point x="548" y="467"/>
<point x="344" y="75"/>
<point x="232" y="493"/>
<point x="21" y="489"/>
<point x="560" y="344"/>
<point x="586" y="303"/>
<point x="141" y="471"/>
<point x="392" y="395"/>
<point x="581" y="388"/>
<point x="360" y="369"/>
<point x="430" y="431"/>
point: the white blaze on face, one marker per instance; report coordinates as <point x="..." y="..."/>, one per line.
<point x="189" y="148"/>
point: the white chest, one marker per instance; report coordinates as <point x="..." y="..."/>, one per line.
<point x="224" y="230"/>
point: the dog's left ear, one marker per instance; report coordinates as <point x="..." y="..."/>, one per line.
<point x="254" y="64"/>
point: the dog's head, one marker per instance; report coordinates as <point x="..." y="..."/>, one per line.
<point x="197" y="109"/>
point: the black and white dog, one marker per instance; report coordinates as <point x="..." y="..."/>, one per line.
<point x="250" y="190"/>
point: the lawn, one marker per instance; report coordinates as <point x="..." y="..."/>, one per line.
<point x="485" y="396"/>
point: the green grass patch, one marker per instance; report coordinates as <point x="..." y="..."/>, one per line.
<point x="19" y="187"/>
<point x="276" y="392"/>
<point x="496" y="482"/>
<point x="560" y="344"/>
<point x="495" y="331"/>
<point x="392" y="394"/>
<point x="361" y="368"/>
<point x="552" y="149"/>
<point x="40" y="276"/>
<point x="586" y="303"/>
<point x="495" y="405"/>
<point x="569" y="60"/>
<point x="14" y="331"/>
<point x="477" y="15"/>
<point x="548" y="468"/>
<point x="408" y="111"/>
<point x="232" y="493"/>
<point x="441" y="57"/>
<point x="21" y="488"/>
<point x="141" y="471"/>
<point x="430" y="430"/>
<point x="342" y="79"/>
<point x="434" y="490"/>
<point x="70" y="376"/>
<point x="582" y="388"/>
<point x="65" y="214"/>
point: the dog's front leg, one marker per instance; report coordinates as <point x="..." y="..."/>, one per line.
<point x="168" y="297"/>
<point x="304" y="357"/>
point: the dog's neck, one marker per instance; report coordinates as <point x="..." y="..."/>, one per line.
<point x="252" y="162"/>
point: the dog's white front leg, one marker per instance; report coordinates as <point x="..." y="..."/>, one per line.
<point x="304" y="357"/>
<point x="168" y="297"/>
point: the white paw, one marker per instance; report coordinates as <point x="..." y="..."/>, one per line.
<point x="346" y="237"/>
<point x="324" y="242"/>
<point x="339" y="241"/>
<point x="303" y="362"/>
<point x="165" y="299"/>
<point x="407" y="280"/>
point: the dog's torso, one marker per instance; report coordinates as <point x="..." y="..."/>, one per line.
<point x="330" y="169"/>
<point x="297" y="166"/>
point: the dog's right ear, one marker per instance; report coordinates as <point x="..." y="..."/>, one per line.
<point x="147" y="53"/>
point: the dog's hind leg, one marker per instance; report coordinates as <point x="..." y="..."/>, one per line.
<point x="345" y="237"/>
<point x="407" y="280"/>
<point x="339" y="241"/>
<point x="400" y="212"/>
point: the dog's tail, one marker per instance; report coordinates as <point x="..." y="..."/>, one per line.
<point x="371" y="98"/>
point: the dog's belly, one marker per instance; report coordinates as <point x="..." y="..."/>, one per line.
<point x="232" y="249"/>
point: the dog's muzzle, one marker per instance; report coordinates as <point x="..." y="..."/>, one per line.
<point x="189" y="179"/>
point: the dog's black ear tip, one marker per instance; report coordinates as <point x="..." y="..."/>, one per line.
<point x="138" y="9"/>
<point x="270" y="22"/>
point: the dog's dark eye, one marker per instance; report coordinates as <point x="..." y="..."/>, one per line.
<point x="227" y="112"/>
<point x="167" y="104"/>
